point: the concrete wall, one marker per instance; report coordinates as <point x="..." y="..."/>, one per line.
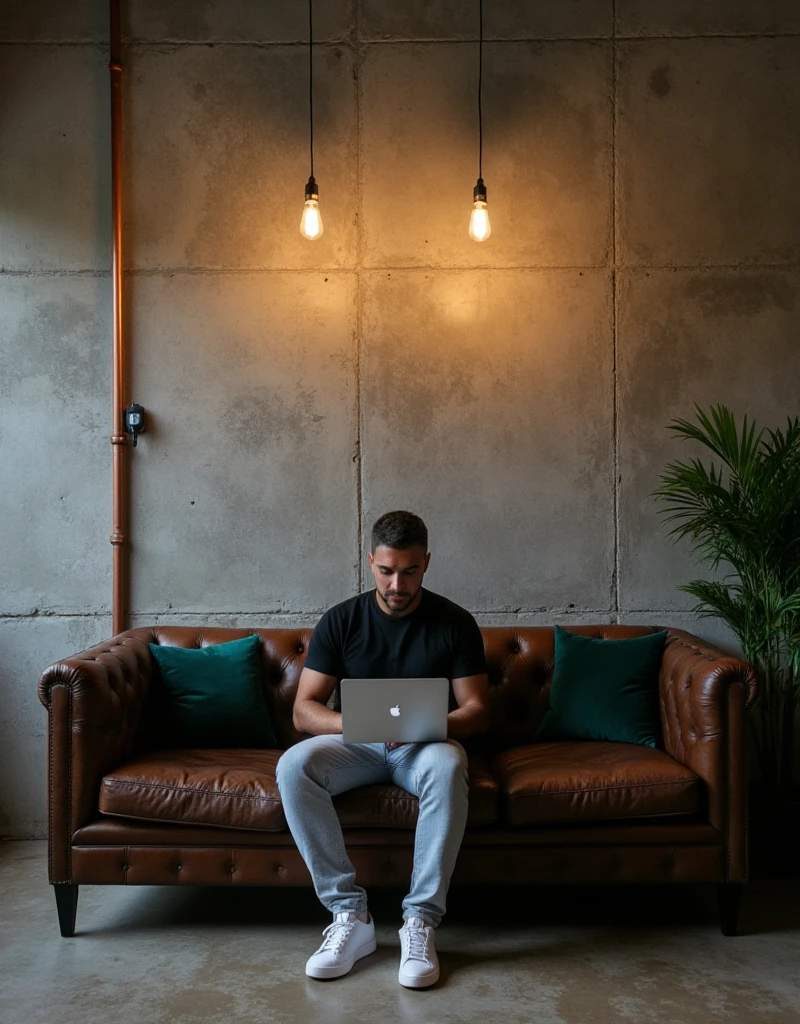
<point x="641" y="159"/>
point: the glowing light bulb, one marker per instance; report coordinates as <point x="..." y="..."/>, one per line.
<point x="311" y="221"/>
<point x="479" y="226"/>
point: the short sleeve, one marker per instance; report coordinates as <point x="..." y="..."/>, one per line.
<point x="469" y="658"/>
<point x="324" y="648"/>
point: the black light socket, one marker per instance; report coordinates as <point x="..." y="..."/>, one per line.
<point x="479" y="192"/>
<point x="312" y="192"/>
<point x="135" y="421"/>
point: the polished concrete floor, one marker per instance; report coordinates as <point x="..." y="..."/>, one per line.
<point x="550" y="956"/>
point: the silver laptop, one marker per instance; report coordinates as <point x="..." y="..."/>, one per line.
<point x="394" y="710"/>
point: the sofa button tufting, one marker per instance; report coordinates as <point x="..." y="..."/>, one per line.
<point x="300" y="648"/>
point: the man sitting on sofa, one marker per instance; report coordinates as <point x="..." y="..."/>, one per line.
<point x="397" y="630"/>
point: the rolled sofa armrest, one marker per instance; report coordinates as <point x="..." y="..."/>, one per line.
<point x="95" y="705"/>
<point x="704" y="696"/>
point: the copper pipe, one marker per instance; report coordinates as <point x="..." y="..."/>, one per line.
<point x="119" y="440"/>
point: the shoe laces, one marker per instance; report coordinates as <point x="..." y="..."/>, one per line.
<point x="417" y="938"/>
<point x="336" y="934"/>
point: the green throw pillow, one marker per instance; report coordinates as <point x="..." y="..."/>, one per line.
<point x="214" y="694"/>
<point x="605" y="689"/>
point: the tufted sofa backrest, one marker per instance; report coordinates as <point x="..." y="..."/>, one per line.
<point x="519" y="661"/>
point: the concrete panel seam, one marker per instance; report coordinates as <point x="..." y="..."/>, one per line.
<point x="615" y="583"/>
<point x="357" y="65"/>
<point x="7" y="272"/>
<point x="139" y="43"/>
<point x="403" y="40"/>
<point x="644" y="38"/>
<point x="470" y="40"/>
<point x="540" y="268"/>
<point x="96" y="44"/>
<point x="38" y="614"/>
<point x="211" y="615"/>
<point x="745" y="265"/>
<point x="354" y="268"/>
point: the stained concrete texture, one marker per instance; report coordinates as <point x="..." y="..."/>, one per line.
<point x="503" y="19"/>
<point x="55" y="499"/>
<point x="238" y="20"/>
<point x="713" y="631"/>
<point x="251" y="384"/>
<point x="218" y="156"/>
<point x="487" y="410"/>
<point x="27" y="646"/>
<point x="54" y="193"/>
<point x="559" y="955"/>
<point x="546" y="154"/>
<point x="687" y="17"/>
<point x="240" y="620"/>
<point x="183" y="20"/>
<point x="708" y="151"/>
<point x="54" y="21"/>
<point x="686" y="337"/>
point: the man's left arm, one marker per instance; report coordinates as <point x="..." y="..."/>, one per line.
<point x="472" y="714"/>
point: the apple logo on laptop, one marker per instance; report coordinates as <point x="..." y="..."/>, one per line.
<point x="395" y="711"/>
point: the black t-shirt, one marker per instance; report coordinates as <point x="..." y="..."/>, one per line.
<point x="357" y="640"/>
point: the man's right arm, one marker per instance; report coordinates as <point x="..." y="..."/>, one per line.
<point x="311" y="713"/>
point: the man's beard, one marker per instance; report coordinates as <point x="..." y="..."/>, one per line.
<point x="397" y="602"/>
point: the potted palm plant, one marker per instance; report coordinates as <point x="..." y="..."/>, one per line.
<point x="741" y="512"/>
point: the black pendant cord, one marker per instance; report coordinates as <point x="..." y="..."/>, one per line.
<point x="480" y="91"/>
<point x="311" y="86"/>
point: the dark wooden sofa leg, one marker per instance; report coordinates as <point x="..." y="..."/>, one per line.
<point x="730" y="899"/>
<point x="67" y="904"/>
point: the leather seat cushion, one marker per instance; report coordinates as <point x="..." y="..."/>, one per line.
<point x="227" y="788"/>
<point x="592" y="781"/>
<point x="237" y="789"/>
<point x="388" y="806"/>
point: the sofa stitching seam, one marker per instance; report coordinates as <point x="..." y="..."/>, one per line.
<point x="190" y="789"/>
<point x="69" y="790"/>
<point x="601" y="789"/>
<point x="51" y="787"/>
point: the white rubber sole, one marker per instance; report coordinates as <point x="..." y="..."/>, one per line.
<point x="326" y="973"/>
<point x="412" y="981"/>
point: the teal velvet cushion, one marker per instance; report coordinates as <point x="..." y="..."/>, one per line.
<point x="214" y="696"/>
<point x="605" y="689"/>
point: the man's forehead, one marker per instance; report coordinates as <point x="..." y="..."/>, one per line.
<point x="398" y="558"/>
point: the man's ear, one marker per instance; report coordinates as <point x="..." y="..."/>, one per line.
<point x="427" y="561"/>
<point x="369" y="556"/>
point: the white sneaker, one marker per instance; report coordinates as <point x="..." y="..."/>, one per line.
<point x="419" y="965"/>
<point x="344" y="941"/>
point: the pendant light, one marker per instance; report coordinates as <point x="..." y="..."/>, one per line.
<point x="311" y="221"/>
<point x="479" y="226"/>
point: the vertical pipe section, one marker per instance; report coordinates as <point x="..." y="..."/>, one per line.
<point x="119" y="441"/>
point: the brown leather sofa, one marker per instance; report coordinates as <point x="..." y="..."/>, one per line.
<point x="124" y="809"/>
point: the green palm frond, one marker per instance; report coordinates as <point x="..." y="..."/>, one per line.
<point x="718" y="432"/>
<point x="740" y="512"/>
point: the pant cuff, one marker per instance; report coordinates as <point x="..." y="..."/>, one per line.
<point x="429" y="921"/>
<point x="348" y="906"/>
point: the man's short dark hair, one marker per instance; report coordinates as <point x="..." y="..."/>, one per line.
<point x="399" y="530"/>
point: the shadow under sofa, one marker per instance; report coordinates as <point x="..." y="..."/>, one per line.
<point x="125" y="809"/>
